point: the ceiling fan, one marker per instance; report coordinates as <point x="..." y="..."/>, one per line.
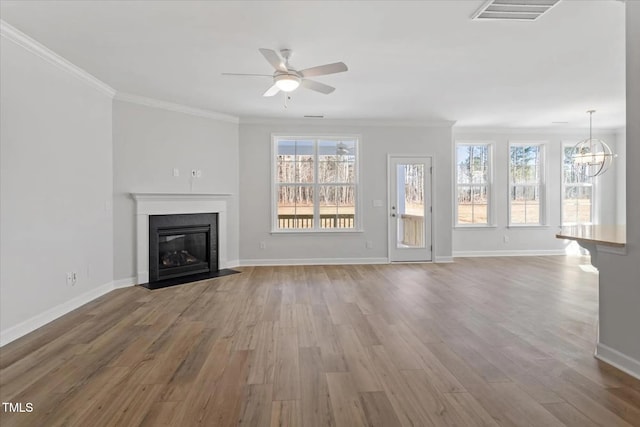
<point x="287" y="79"/>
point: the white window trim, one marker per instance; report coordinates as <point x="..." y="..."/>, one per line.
<point x="566" y="144"/>
<point x="358" y="223"/>
<point x="544" y="206"/>
<point x="491" y="209"/>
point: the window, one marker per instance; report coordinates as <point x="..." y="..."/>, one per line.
<point x="526" y="184"/>
<point x="577" y="192"/>
<point x="315" y="184"/>
<point x="473" y="184"/>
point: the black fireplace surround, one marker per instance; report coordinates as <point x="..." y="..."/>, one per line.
<point x="182" y="245"/>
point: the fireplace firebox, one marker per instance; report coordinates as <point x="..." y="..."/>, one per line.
<point x="182" y="245"/>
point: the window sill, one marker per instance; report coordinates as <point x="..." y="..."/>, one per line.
<point x="475" y="227"/>
<point x="310" y="232"/>
<point x="529" y="226"/>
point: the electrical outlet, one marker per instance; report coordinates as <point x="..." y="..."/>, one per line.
<point x="176" y="172"/>
<point x="263" y="245"/>
<point x="69" y="278"/>
<point x="369" y="244"/>
<point x="506" y="238"/>
<point x="198" y="173"/>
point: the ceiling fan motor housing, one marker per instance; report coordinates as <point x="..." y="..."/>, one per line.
<point x="287" y="82"/>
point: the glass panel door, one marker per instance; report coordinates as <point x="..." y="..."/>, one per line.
<point x="410" y="208"/>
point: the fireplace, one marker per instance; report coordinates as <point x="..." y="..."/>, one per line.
<point x="182" y="245"/>
<point x="149" y="205"/>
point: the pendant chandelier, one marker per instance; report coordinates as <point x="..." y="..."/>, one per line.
<point x="591" y="157"/>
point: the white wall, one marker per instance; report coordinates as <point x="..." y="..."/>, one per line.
<point x="532" y="240"/>
<point x="621" y="177"/>
<point x="148" y="143"/>
<point x="619" y="340"/>
<point x="376" y="143"/>
<point x="56" y="189"/>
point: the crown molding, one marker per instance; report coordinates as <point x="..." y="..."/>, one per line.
<point x="18" y="37"/>
<point x="345" y="122"/>
<point x="171" y="106"/>
<point x="463" y="131"/>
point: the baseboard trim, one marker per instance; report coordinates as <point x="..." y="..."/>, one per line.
<point x="232" y="263"/>
<point x="124" y="283"/>
<point x="618" y="360"/>
<point x="311" y="261"/>
<point x="14" y="332"/>
<point x="475" y="254"/>
<point x="443" y="259"/>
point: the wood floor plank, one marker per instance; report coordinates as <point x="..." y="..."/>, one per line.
<point x="362" y="328"/>
<point x="256" y="406"/>
<point x="223" y="409"/>
<point x="182" y="380"/>
<point x="395" y="344"/>
<point x="568" y="415"/>
<point x="307" y="336"/>
<point x="315" y="404"/>
<point x="285" y="413"/>
<point x="377" y="409"/>
<point x="330" y="349"/>
<point x="406" y="407"/>
<point x="286" y="382"/>
<point x="263" y="358"/>
<point x="288" y="317"/>
<point x="136" y="409"/>
<point x="521" y="408"/>
<point x="403" y="356"/>
<point x="358" y="361"/>
<point x="160" y="414"/>
<point x="469" y="410"/>
<point x="185" y="337"/>
<point x="193" y="409"/>
<point x="345" y="401"/>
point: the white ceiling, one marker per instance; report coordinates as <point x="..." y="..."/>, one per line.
<point x="408" y="61"/>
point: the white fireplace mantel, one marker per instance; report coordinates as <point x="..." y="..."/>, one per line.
<point x="169" y="204"/>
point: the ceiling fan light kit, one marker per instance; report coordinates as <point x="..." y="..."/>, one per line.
<point x="287" y="82"/>
<point x="287" y="79"/>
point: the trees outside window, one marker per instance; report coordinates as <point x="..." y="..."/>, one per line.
<point x="526" y="184"/>
<point x="315" y="184"/>
<point x="577" y="192"/>
<point x="473" y="184"/>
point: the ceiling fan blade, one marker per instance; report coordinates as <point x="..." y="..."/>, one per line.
<point x="274" y="59"/>
<point x="273" y="90"/>
<point x="317" y="86"/>
<point x="245" y="74"/>
<point x="321" y="70"/>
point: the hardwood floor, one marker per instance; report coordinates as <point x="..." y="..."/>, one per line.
<point x="485" y="341"/>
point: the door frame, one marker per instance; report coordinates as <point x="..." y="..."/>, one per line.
<point x="390" y="157"/>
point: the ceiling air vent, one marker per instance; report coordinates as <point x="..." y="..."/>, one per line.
<point x="514" y="10"/>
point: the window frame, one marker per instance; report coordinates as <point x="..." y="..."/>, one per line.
<point x="563" y="186"/>
<point x="357" y="219"/>
<point x="543" y="205"/>
<point x="489" y="184"/>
